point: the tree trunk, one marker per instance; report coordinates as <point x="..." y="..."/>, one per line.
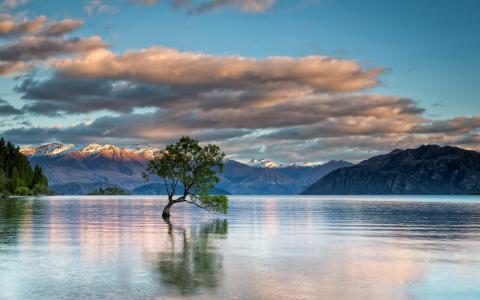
<point x="166" y="210"/>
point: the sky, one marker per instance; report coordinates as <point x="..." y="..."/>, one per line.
<point x="291" y="81"/>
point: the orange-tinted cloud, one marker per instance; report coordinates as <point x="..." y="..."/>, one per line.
<point x="170" y="66"/>
<point x="62" y="27"/>
<point x="38" y="40"/>
<point x="9" y="25"/>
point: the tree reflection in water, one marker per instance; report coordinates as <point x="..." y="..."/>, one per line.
<point x="194" y="264"/>
<point x="13" y="215"/>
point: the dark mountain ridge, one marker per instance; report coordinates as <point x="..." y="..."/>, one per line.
<point x="429" y="169"/>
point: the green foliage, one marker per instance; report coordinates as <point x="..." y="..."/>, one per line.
<point x="4" y="195"/>
<point x="216" y="203"/>
<point x="23" y="191"/>
<point x="41" y="189"/>
<point x="38" y="177"/>
<point x="16" y="174"/>
<point x="3" y="181"/>
<point x="15" y="180"/>
<point x="188" y="166"/>
<point x="12" y="216"/>
<point x="109" y="191"/>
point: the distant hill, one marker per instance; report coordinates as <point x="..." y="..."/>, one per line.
<point x="241" y="179"/>
<point x="75" y="170"/>
<point x="429" y="169"/>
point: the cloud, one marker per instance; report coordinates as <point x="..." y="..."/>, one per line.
<point x="10" y="26"/>
<point x="199" y="7"/>
<point x="248" y="6"/>
<point x="172" y="67"/>
<point x="62" y="27"/>
<point x="6" y="109"/>
<point x="38" y="40"/>
<point x="301" y="98"/>
<point x="93" y="7"/>
<point x="41" y="48"/>
<point x="13" y="26"/>
<point x="7" y="68"/>
<point x="455" y="125"/>
<point x="127" y="129"/>
<point x="222" y="90"/>
<point x="294" y="108"/>
<point x="145" y="2"/>
<point x="12" y="4"/>
<point x="304" y="108"/>
<point x="157" y="128"/>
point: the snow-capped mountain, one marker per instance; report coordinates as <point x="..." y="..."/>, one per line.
<point x="262" y="163"/>
<point x="270" y="164"/>
<point x="143" y="150"/>
<point x="52" y="149"/>
<point x="97" y="148"/>
<point x="78" y="169"/>
<point x="57" y="149"/>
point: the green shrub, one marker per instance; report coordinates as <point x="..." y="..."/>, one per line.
<point x="23" y="191"/>
<point x="40" y="189"/>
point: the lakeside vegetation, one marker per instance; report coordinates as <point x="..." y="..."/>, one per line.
<point x="109" y="191"/>
<point x="16" y="175"/>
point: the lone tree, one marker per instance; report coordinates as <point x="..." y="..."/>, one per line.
<point x="189" y="171"/>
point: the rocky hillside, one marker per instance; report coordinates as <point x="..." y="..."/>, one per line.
<point x="428" y="169"/>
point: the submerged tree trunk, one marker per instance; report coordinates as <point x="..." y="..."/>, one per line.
<point x="166" y="210"/>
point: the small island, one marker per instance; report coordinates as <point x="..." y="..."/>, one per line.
<point x="114" y="190"/>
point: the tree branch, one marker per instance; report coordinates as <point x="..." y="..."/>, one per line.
<point x="180" y="199"/>
<point x="174" y="186"/>
<point x="166" y="186"/>
<point x="187" y="190"/>
<point x="192" y="202"/>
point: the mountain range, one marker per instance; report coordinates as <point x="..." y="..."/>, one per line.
<point x="73" y="169"/>
<point x="429" y="169"/>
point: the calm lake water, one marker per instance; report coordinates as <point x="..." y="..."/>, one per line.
<point x="266" y="248"/>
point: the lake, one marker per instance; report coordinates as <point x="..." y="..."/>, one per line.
<point x="294" y="247"/>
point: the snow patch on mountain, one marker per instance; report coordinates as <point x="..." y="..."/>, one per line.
<point x="143" y="150"/>
<point x="263" y="163"/>
<point x="53" y="149"/>
<point x="270" y="164"/>
<point x="97" y="148"/>
<point x="57" y="149"/>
